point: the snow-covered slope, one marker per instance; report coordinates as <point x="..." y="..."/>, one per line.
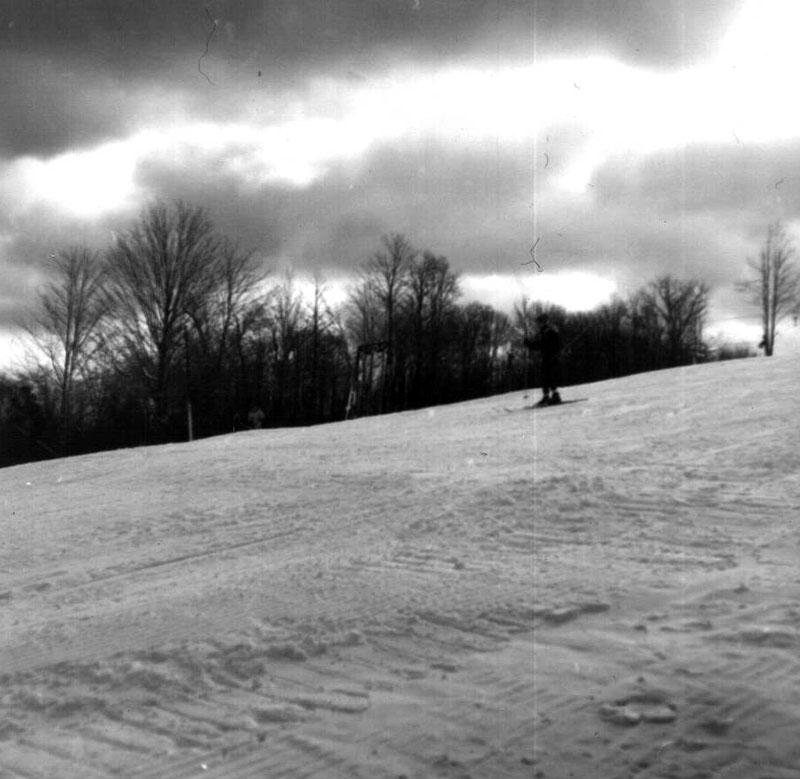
<point x="607" y="588"/>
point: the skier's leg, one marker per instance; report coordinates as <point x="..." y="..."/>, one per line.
<point x="547" y="380"/>
<point x="554" y="380"/>
<point x="545" y="390"/>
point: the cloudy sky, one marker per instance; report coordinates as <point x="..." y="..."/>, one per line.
<point x="628" y="137"/>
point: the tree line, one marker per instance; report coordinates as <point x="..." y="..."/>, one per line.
<point x="176" y="332"/>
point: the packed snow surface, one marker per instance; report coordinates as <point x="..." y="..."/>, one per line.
<point x="605" y="589"/>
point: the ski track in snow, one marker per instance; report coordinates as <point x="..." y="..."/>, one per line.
<point x="607" y="588"/>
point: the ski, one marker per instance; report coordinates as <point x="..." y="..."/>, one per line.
<point x="540" y="406"/>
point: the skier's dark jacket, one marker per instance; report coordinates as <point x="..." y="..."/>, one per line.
<point x="548" y="342"/>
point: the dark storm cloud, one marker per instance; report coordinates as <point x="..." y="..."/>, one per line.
<point x="663" y="33"/>
<point x="146" y="34"/>
<point x="473" y="207"/>
<point x="697" y="212"/>
<point x="40" y="233"/>
<point x="63" y="61"/>
<point x="700" y="211"/>
<point x="47" y="108"/>
<point x="16" y="293"/>
<point x="749" y="181"/>
<point x="72" y="72"/>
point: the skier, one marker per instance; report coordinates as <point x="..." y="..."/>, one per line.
<point x="548" y="342"/>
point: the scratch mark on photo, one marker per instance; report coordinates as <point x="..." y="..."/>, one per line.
<point x="208" y="41"/>
<point x="533" y="260"/>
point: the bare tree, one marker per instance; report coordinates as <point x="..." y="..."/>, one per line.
<point x="481" y="333"/>
<point x="322" y="320"/>
<point x="387" y="273"/>
<point x="285" y="304"/>
<point x="161" y="271"/>
<point x="286" y="320"/>
<point x="432" y="291"/>
<point x="218" y="325"/>
<point x="363" y="315"/>
<point x="376" y="300"/>
<point x="681" y="307"/>
<point x="238" y="279"/>
<point x="612" y="317"/>
<point x="66" y="322"/>
<point x="774" y="285"/>
<point x="316" y="318"/>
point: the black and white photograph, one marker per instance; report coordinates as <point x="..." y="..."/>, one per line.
<point x="399" y="389"/>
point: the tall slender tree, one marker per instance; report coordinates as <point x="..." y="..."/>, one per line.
<point x="376" y="301"/>
<point x="774" y="283"/>
<point x="432" y="292"/>
<point x="286" y="318"/>
<point x="322" y="323"/>
<point x="218" y="325"/>
<point x="66" y="323"/>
